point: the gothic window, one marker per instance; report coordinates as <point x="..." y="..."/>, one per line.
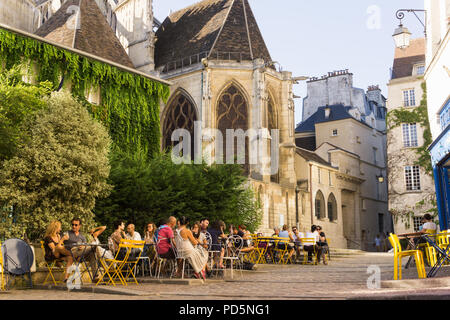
<point x="319" y="205"/>
<point x="180" y="115"/>
<point x="332" y="207"/>
<point x="232" y="113"/>
<point x="272" y="124"/>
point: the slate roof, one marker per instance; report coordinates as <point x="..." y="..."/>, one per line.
<point x="93" y="36"/>
<point x="311" y="156"/>
<point x="212" y="27"/>
<point x="338" y="112"/>
<point x="405" y="59"/>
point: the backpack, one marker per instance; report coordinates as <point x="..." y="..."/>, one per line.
<point x="157" y="232"/>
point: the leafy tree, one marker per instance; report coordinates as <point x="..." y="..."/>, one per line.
<point x="18" y="100"/>
<point x="148" y="190"/>
<point x="58" y="173"/>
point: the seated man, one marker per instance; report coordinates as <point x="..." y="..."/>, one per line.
<point x="165" y="239"/>
<point x="116" y="237"/>
<point x="297" y="243"/>
<point x="132" y="234"/>
<point x="313" y="248"/>
<point x="77" y="237"/>
<point x="283" y="245"/>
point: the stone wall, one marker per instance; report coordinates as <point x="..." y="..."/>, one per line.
<point x="19" y="14"/>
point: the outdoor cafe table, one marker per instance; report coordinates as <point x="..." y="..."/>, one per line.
<point x="268" y="241"/>
<point x="443" y="254"/>
<point x="82" y="260"/>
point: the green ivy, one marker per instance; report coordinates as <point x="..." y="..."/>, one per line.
<point x="129" y="103"/>
<point x="416" y="115"/>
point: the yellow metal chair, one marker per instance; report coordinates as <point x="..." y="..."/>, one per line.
<point x="399" y="254"/>
<point x="309" y="242"/>
<point x="132" y="260"/>
<point x="282" y="251"/>
<point x="113" y="267"/>
<point x="51" y="265"/>
<point x="430" y="252"/>
<point x="2" y="276"/>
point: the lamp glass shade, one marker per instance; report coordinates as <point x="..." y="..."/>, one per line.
<point x="402" y="37"/>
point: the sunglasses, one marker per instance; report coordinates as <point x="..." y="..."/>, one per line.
<point x="75" y="225"/>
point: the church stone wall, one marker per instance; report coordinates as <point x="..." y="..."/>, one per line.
<point x="19" y="14"/>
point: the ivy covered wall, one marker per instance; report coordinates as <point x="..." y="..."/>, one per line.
<point x="129" y="105"/>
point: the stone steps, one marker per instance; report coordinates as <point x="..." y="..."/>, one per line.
<point x="345" y="253"/>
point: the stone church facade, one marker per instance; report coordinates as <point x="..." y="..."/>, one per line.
<point x="223" y="76"/>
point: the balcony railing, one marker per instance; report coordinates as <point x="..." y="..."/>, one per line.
<point x="186" y="62"/>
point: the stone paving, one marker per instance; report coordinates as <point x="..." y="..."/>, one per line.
<point x="343" y="278"/>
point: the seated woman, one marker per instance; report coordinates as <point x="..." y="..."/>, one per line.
<point x="218" y="240"/>
<point x="198" y="235"/>
<point x="323" y="245"/>
<point x="54" y="246"/>
<point x="286" y="245"/>
<point x="190" y="249"/>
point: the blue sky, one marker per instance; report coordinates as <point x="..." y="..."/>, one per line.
<point x="313" y="37"/>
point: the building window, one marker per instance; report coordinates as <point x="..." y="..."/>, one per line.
<point x="420" y="70"/>
<point x="412" y="178"/>
<point x="319" y="205"/>
<point x="409" y="135"/>
<point x="417" y="221"/>
<point x="409" y="98"/>
<point x="334" y="133"/>
<point x="332" y="207"/>
<point x="444" y="116"/>
<point x="329" y="178"/>
<point x="318" y="175"/>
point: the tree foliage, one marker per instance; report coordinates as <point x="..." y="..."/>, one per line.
<point x="56" y="174"/>
<point x="150" y="190"/>
<point x="17" y="101"/>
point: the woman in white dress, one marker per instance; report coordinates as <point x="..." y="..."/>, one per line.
<point x="188" y="247"/>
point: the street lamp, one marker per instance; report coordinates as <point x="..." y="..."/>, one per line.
<point x="401" y="35"/>
<point x="380" y="178"/>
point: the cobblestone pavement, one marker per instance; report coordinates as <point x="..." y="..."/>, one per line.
<point x="343" y="278"/>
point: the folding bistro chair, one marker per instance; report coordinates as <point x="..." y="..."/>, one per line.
<point x="133" y="246"/>
<point x="113" y="267"/>
<point x="281" y="251"/>
<point x="309" y="242"/>
<point x="232" y="252"/>
<point x="50" y="265"/>
<point x="163" y="261"/>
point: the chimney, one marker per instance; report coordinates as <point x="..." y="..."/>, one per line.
<point x="327" y="112"/>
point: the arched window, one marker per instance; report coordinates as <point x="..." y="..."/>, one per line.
<point x="319" y="205"/>
<point x="180" y="115"/>
<point x="232" y="113"/>
<point x="272" y="124"/>
<point x="332" y="207"/>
